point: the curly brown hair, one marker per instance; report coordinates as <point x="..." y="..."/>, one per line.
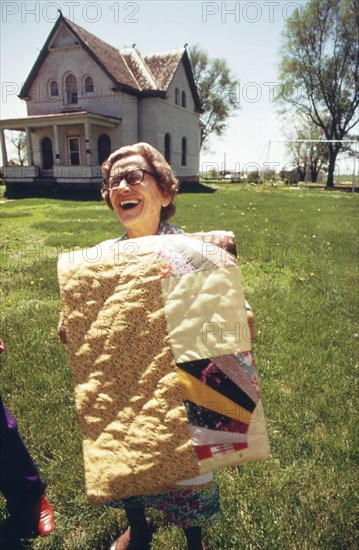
<point x="166" y="180"/>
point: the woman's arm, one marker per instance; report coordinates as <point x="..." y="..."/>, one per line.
<point x="61" y="329"/>
<point x="250" y="321"/>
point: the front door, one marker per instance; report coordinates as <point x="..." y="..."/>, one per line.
<point x="103" y="148"/>
<point x="47" y="155"/>
<point x="74" y="150"/>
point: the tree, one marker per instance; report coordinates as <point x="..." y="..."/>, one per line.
<point x="319" y="71"/>
<point x="18" y="140"/>
<point x="217" y="90"/>
<point x="308" y="156"/>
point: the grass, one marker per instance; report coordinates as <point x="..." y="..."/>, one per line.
<point x="298" y="250"/>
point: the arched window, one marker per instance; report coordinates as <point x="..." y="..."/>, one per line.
<point x="89" y="87"/>
<point x="103" y="148"/>
<point x="183" y="99"/>
<point x="168" y="147"/>
<point x="54" y="89"/>
<point x="177" y="96"/>
<point x="71" y="89"/>
<point x="184" y="152"/>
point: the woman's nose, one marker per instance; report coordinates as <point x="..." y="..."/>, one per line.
<point x="122" y="184"/>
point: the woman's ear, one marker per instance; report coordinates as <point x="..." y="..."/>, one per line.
<point x="166" y="199"/>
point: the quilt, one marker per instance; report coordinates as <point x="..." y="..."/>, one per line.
<point x="165" y="381"/>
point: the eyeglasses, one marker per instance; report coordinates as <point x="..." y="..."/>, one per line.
<point x="132" y="177"/>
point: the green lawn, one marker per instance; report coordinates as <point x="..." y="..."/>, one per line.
<point x="299" y="255"/>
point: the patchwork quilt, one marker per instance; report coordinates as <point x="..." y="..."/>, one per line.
<point x="165" y="381"/>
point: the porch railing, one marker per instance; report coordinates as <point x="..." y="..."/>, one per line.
<point x="21" y="173"/>
<point x="77" y="173"/>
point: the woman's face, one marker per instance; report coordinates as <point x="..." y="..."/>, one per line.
<point x="138" y="207"/>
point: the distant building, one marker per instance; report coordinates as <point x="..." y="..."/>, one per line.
<point x="295" y="175"/>
<point x="85" y="99"/>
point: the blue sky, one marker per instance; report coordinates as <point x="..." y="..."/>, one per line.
<point x="247" y="34"/>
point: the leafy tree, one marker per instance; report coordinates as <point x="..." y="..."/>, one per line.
<point x="217" y="89"/>
<point x="307" y="156"/>
<point x="319" y="71"/>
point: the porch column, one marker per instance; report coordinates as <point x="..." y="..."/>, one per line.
<point x="30" y="152"/>
<point x="56" y="144"/>
<point x="88" y="141"/>
<point x="3" y="148"/>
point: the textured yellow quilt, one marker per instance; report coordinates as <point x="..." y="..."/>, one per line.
<point x="165" y="381"/>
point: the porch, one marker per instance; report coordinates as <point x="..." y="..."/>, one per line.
<point x="58" y="174"/>
<point x="64" y="152"/>
<point x="32" y="180"/>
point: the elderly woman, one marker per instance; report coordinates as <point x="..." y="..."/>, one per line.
<point x="140" y="186"/>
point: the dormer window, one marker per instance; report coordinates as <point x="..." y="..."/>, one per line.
<point x="71" y="89"/>
<point x="183" y="99"/>
<point x="89" y="87"/>
<point x="54" y="89"/>
<point x="177" y="96"/>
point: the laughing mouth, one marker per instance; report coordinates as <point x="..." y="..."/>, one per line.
<point x="130" y="203"/>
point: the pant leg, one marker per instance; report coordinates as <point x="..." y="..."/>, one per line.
<point x="20" y="480"/>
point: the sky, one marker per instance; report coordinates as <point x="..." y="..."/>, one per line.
<point x="247" y="34"/>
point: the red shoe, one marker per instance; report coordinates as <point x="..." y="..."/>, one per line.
<point x="44" y="516"/>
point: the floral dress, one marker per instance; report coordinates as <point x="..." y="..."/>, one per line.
<point x="198" y="500"/>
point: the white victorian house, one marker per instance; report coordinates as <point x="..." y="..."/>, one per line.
<point x="85" y="99"/>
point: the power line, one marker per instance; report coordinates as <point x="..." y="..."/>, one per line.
<point x="314" y="141"/>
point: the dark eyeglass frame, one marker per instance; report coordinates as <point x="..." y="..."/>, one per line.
<point x="120" y="177"/>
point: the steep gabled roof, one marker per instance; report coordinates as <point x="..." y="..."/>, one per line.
<point x="108" y="57"/>
<point x="163" y="66"/>
<point x="127" y="69"/>
<point x="144" y="78"/>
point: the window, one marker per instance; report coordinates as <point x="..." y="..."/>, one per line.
<point x="177" y="96"/>
<point x="89" y="87"/>
<point x="168" y="147"/>
<point x="71" y="89"/>
<point x="184" y="152"/>
<point x="183" y="99"/>
<point x="54" y="89"/>
<point x="74" y="151"/>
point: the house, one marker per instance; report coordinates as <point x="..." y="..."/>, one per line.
<point x="295" y="175"/>
<point x="86" y="98"/>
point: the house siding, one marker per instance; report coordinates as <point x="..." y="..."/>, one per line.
<point x="160" y="116"/>
<point x="56" y="66"/>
